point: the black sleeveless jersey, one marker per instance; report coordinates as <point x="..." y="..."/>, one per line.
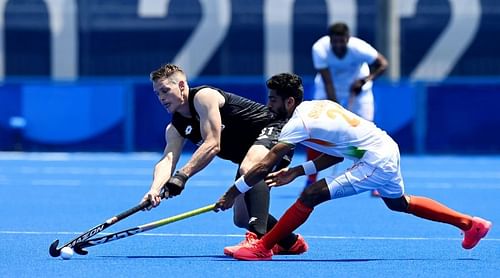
<point x="242" y="122"/>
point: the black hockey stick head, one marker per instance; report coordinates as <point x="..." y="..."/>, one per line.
<point x="80" y="251"/>
<point x="53" y="251"/>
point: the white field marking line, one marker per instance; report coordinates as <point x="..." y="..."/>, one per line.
<point x="76" y="170"/>
<point x="239" y="235"/>
<point x="93" y="171"/>
<point x="452" y="174"/>
<point x="64" y="156"/>
<point x="209" y="183"/>
<point x="131" y="170"/>
<point x="437" y="178"/>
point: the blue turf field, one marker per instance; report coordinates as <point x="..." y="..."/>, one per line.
<point x="45" y="197"/>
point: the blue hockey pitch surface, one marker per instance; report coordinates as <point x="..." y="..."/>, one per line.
<point x="48" y="196"/>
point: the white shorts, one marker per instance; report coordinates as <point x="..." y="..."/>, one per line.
<point x="362" y="105"/>
<point x="362" y="177"/>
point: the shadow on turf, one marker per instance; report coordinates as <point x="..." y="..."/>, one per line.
<point x="367" y="260"/>
<point x="225" y="258"/>
<point x="168" y="257"/>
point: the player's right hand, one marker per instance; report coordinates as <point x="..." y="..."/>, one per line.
<point x="280" y="177"/>
<point x="226" y="201"/>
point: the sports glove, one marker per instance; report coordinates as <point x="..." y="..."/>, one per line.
<point x="176" y="183"/>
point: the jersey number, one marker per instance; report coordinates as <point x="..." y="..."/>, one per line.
<point x="267" y="131"/>
<point x="332" y="113"/>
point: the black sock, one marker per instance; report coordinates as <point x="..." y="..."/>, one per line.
<point x="257" y="201"/>
<point x="288" y="241"/>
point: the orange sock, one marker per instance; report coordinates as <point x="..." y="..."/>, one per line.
<point x="312" y="179"/>
<point x="295" y="216"/>
<point x="432" y="210"/>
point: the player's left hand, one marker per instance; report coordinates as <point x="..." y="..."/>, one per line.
<point x="227" y="200"/>
<point x="176" y="183"/>
<point x="154" y="198"/>
<point x="280" y="177"/>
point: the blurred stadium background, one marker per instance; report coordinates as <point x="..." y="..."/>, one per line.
<point x="74" y="73"/>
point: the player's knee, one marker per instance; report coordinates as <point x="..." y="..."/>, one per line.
<point x="397" y="204"/>
<point x="240" y="216"/>
<point x="315" y="194"/>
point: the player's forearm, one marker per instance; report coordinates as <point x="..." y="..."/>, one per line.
<point x="377" y="69"/>
<point x="201" y="158"/>
<point x="324" y="161"/>
<point x="162" y="172"/>
<point x="375" y="73"/>
<point x="328" y="82"/>
<point x="330" y="92"/>
<point x="258" y="172"/>
<point x="313" y="166"/>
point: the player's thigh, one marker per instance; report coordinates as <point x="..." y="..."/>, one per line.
<point x="364" y="177"/>
<point x="254" y="155"/>
<point x="267" y="138"/>
<point x="395" y="187"/>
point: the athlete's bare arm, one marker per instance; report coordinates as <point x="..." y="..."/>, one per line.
<point x="328" y="81"/>
<point x="207" y="103"/>
<point x="287" y="175"/>
<point x="256" y="174"/>
<point x="164" y="168"/>
<point x="377" y="67"/>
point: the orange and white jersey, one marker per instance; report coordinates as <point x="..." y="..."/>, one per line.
<point x="327" y="127"/>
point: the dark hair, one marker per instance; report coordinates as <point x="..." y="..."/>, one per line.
<point x="165" y="71"/>
<point x="338" y="29"/>
<point x="287" y="85"/>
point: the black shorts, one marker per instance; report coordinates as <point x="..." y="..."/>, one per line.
<point x="269" y="136"/>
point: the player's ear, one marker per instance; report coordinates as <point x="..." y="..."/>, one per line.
<point x="182" y="86"/>
<point x="289" y="105"/>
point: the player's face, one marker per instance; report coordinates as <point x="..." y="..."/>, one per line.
<point x="169" y="94"/>
<point x="276" y="104"/>
<point x="339" y="45"/>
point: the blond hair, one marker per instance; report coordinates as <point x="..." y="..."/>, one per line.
<point x="168" y="71"/>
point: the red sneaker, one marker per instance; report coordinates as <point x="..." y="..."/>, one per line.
<point x="300" y="246"/>
<point x="250" y="238"/>
<point x="477" y="231"/>
<point x="254" y="252"/>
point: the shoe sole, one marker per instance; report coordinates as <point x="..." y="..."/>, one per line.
<point x="289" y="253"/>
<point x="254" y="259"/>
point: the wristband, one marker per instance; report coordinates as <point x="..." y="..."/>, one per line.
<point x="309" y="168"/>
<point x="242" y="185"/>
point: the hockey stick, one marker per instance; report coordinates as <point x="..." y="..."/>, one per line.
<point x="143" y="228"/>
<point x="55" y="252"/>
